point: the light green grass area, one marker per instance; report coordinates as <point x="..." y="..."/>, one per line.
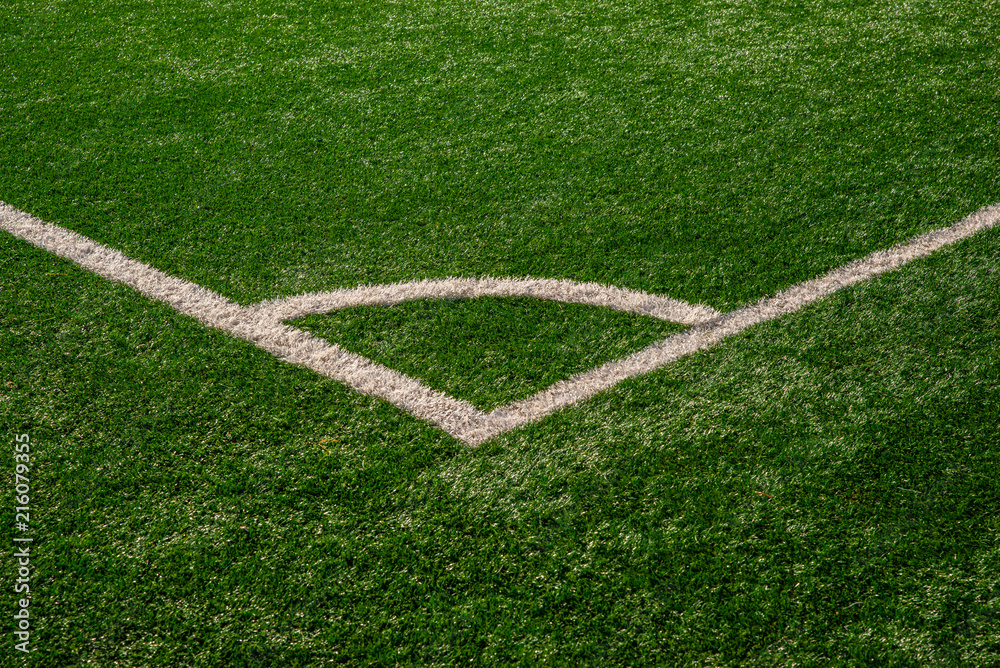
<point x="489" y="351"/>
<point x="819" y="490"/>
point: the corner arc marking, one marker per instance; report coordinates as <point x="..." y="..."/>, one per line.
<point x="262" y="324"/>
<point x="558" y="290"/>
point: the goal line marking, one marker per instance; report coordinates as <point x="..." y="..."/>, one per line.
<point x="262" y="324"/>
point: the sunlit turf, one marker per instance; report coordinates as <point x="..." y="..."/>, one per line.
<point x="820" y="490"/>
<point x="489" y="351"/>
<point x="713" y="152"/>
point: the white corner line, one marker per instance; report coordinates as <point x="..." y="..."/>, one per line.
<point x="286" y="343"/>
<point x="262" y="324"/>
<point x="702" y="337"/>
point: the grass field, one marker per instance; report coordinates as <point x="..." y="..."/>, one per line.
<point x="817" y="490"/>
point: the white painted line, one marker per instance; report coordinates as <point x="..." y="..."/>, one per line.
<point x="261" y="324"/>
<point x="589" y="383"/>
<point x="286" y="343"/>
<point x="593" y="294"/>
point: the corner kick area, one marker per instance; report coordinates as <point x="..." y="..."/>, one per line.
<point x="264" y="324"/>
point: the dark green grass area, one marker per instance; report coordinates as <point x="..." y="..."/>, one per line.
<point x="489" y="351"/>
<point x="711" y="151"/>
<point x="820" y="490"/>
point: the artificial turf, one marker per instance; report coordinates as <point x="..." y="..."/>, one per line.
<point x="489" y="351"/>
<point x="714" y="152"/>
<point x="819" y="490"/>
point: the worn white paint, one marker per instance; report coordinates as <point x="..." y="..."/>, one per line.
<point x="263" y="324"/>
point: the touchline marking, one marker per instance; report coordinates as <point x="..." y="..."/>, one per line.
<point x="262" y="324"/>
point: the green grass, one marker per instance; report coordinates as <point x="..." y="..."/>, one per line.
<point x="489" y="351"/>
<point x="819" y="490"/>
<point x="267" y="148"/>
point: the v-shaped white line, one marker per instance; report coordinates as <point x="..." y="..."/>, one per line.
<point x="263" y="324"/>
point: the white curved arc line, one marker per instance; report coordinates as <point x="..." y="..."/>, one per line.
<point x="560" y="290"/>
<point x="261" y="324"/>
